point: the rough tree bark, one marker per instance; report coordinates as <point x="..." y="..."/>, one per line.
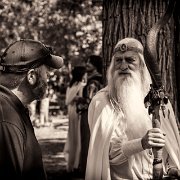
<point x="134" y="18"/>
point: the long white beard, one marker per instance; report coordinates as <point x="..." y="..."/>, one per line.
<point x="130" y="98"/>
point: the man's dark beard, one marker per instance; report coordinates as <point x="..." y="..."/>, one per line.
<point x="39" y="89"/>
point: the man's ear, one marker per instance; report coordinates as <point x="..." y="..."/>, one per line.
<point x="32" y="77"/>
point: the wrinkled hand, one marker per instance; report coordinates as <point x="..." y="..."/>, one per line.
<point x="174" y="173"/>
<point x="153" y="138"/>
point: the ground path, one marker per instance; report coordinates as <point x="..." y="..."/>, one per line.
<point x="52" y="140"/>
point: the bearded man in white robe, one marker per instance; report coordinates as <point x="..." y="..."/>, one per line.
<point x="122" y="135"/>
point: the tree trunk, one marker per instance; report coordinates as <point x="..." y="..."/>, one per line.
<point x="134" y="18"/>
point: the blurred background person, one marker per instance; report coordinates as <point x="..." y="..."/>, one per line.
<point x="32" y="112"/>
<point x="94" y="84"/>
<point x="74" y="92"/>
<point x="44" y="111"/>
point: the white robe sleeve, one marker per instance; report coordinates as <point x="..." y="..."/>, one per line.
<point x="121" y="149"/>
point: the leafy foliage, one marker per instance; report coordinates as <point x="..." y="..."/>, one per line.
<point x="72" y="27"/>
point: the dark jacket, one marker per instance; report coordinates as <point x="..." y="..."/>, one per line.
<point x="94" y="84"/>
<point x="20" y="153"/>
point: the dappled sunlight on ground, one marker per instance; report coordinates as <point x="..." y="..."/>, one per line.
<point x="53" y="157"/>
<point x="52" y="140"/>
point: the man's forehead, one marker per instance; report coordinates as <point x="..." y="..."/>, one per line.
<point x="126" y="54"/>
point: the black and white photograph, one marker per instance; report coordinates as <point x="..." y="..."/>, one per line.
<point x="89" y="90"/>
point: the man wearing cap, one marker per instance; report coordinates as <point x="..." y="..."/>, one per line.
<point x="23" y="74"/>
<point x="122" y="136"/>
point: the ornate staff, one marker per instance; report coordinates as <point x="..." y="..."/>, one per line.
<point x="156" y="98"/>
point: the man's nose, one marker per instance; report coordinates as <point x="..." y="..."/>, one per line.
<point x="124" y="65"/>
